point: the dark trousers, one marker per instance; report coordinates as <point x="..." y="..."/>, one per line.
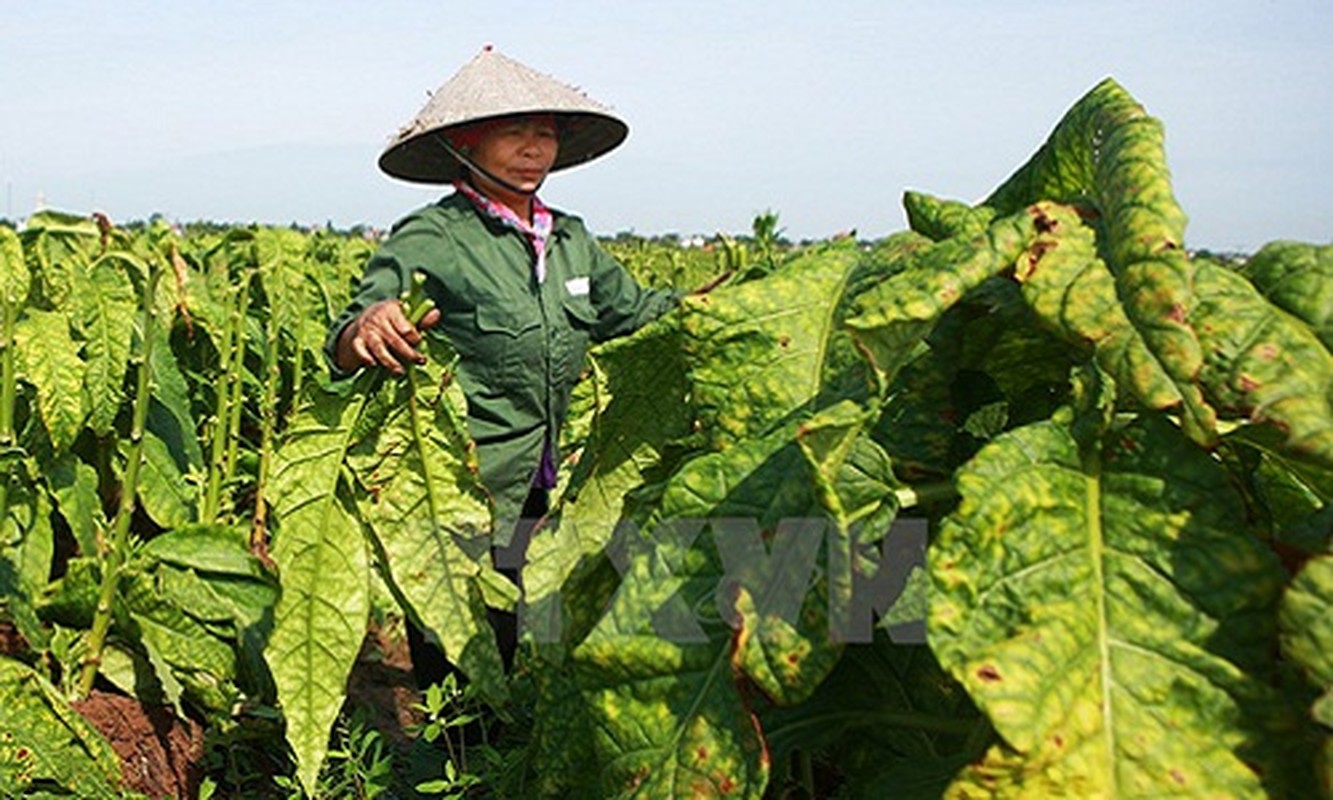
<point x="429" y="664"/>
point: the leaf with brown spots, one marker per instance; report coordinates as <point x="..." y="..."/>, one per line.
<point x="761" y="352"/>
<point x="1264" y="365"/>
<point x="1106" y="156"/>
<point x="1116" y="632"/>
<point x="1298" y="278"/>
<point x="899" y="313"/>
<point x="44" y="741"/>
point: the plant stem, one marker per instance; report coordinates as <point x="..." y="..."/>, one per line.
<point x="912" y="496"/>
<point x="226" y="419"/>
<point x="115" y="558"/>
<point x="237" y="376"/>
<point x="8" y="370"/>
<point x="217" y="447"/>
<point x="8" y="390"/>
<point x="807" y="773"/>
<point x="268" y="421"/>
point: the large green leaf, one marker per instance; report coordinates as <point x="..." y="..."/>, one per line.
<point x="320" y="619"/>
<point x="74" y="487"/>
<point x="898" y="313"/>
<point x="1073" y="290"/>
<point x="211" y="548"/>
<point x="1106" y="157"/>
<point x="430" y="516"/>
<point x="790" y="628"/>
<point x="1264" y="364"/>
<point x="1298" y="278"/>
<point x="59" y="247"/>
<point x="888" y="719"/>
<point x="720" y="585"/>
<point x="107" y="309"/>
<point x="629" y="451"/>
<point x="43" y="741"/>
<point x="762" y="351"/>
<point x="162" y="488"/>
<point x="50" y="362"/>
<point x="1306" y="622"/>
<point x="27" y="545"/>
<point x="1106" y="609"/>
<point x="14" y="285"/>
<point x="167" y="628"/>
<point x="940" y="219"/>
<point x="170" y="416"/>
<point x="669" y="719"/>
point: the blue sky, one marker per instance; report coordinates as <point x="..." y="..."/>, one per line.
<point x="822" y="111"/>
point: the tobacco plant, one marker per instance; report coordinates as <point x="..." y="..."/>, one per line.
<point x="1119" y="421"/>
<point x="1027" y="500"/>
<point x="105" y="570"/>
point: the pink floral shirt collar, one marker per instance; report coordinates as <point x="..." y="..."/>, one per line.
<point x="537" y="233"/>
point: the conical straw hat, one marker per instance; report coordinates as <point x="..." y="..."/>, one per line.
<point x="493" y="85"/>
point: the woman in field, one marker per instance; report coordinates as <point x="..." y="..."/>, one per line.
<point x="520" y="289"/>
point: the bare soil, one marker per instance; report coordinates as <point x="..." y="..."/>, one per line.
<point x="383" y="685"/>
<point x="160" y="754"/>
<point x="11" y="641"/>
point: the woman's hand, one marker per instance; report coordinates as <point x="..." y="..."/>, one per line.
<point x="383" y="336"/>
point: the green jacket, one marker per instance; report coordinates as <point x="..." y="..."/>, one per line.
<point x="521" y="345"/>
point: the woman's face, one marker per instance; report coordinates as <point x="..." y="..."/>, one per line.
<point x="519" y="150"/>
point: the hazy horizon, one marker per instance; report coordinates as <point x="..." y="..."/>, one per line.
<point x="824" y="113"/>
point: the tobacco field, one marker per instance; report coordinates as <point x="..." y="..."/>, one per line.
<point x="1028" y="500"/>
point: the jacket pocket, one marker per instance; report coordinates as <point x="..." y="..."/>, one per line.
<point x="580" y="311"/>
<point x="507" y="351"/>
<point x="575" y="334"/>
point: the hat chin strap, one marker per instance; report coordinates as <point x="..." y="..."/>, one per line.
<point x="480" y="170"/>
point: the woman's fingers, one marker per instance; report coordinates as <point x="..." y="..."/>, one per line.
<point x="428" y="321"/>
<point x="386" y="337"/>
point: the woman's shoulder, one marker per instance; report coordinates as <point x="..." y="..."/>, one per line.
<point x="571" y="224"/>
<point x="441" y="214"/>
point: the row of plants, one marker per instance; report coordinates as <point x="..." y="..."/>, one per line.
<point x="147" y="377"/>
<point x="1122" y="454"/>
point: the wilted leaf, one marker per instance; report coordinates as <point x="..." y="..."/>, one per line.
<point x="1106" y="158"/>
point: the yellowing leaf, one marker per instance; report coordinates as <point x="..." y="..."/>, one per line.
<point x="1106" y="610"/>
